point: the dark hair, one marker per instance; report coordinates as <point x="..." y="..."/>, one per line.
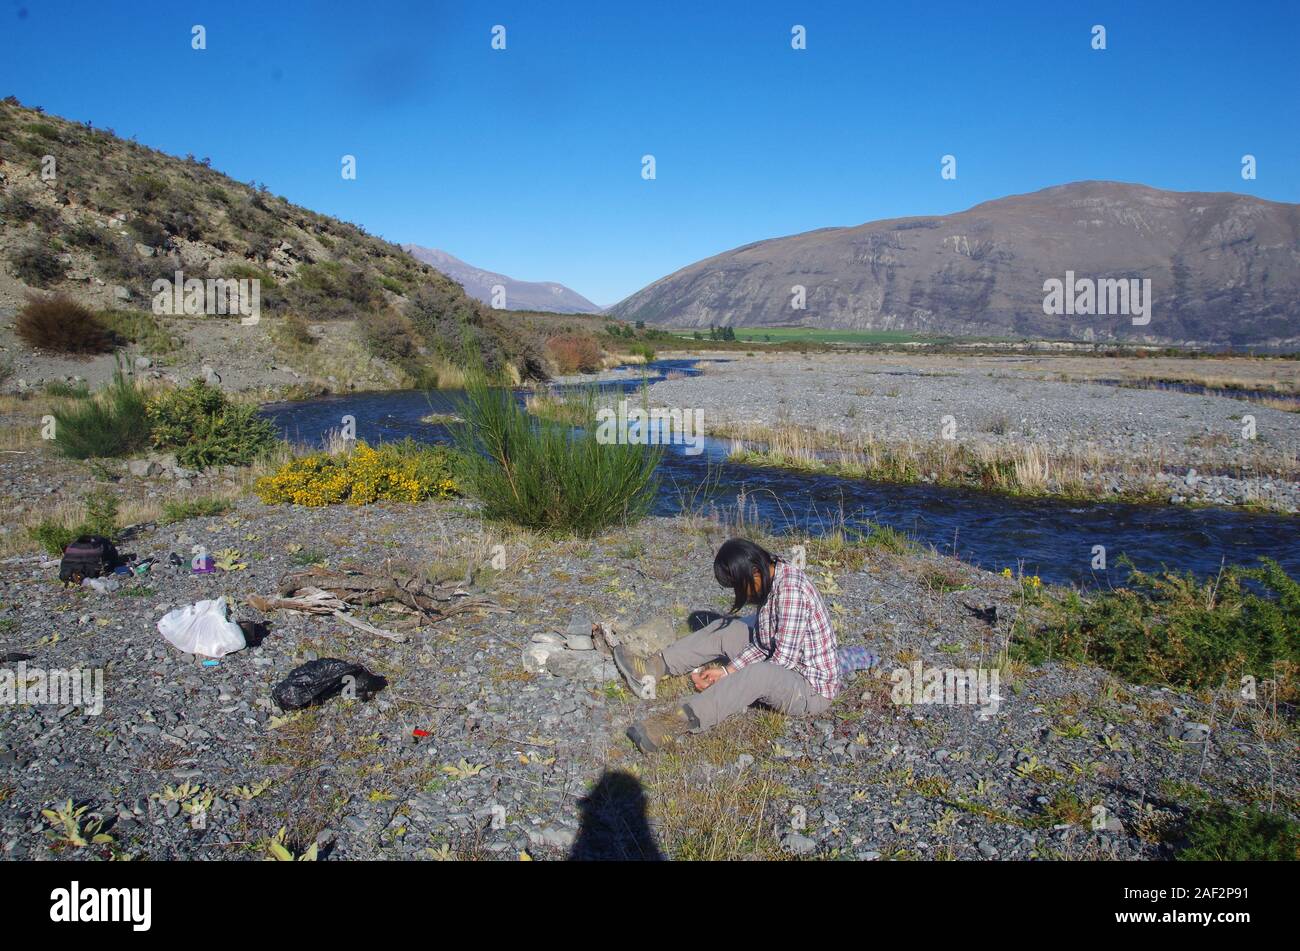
<point x="734" y="566"/>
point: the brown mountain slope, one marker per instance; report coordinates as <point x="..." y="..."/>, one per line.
<point x="1224" y="269"/>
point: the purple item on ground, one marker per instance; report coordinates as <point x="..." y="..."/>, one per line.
<point x="848" y="660"/>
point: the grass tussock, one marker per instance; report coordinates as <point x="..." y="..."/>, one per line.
<point x="61" y="325"/>
<point x="113" y="423"/>
<point x="542" y="475"/>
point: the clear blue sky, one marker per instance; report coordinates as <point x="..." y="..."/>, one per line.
<point x="528" y="161"/>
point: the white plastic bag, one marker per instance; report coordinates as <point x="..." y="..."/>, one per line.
<point x="203" y="628"/>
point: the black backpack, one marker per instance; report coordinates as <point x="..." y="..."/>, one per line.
<point x="88" y="557"/>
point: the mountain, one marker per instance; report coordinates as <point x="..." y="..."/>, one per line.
<point x="87" y="215"/>
<point x="519" y="295"/>
<point x="1224" y="269"/>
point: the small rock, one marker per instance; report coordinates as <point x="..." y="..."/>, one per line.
<point x="798" y="844"/>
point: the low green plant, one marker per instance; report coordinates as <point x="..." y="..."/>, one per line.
<point x="53" y="535"/>
<point x="101" y="514"/>
<point x="1172" y="629"/>
<point x="180" y="511"/>
<point x="140" y="328"/>
<point x="113" y="423"/>
<point x="1224" y="834"/>
<point x="206" y="428"/>
<point x="75" y="391"/>
<point x="542" y="474"/>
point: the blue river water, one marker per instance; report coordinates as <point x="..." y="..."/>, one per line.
<point x="1052" y="539"/>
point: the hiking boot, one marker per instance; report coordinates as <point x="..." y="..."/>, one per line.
<point x="654" y="733"/>
<point x="640" y="672"/>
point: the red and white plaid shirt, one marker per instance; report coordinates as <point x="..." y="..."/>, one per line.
<point x="794" y="630"/>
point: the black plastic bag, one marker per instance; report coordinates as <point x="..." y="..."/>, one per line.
<point x="318" y="680"/>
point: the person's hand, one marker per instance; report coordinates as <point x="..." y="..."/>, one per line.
<point x="706" y="677"/>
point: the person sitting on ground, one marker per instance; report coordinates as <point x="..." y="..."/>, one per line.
<point x="787" y="662"/>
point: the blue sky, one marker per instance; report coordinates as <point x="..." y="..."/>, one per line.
<point x="528" y="160"/>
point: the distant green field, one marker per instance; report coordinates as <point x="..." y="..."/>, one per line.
<point x="814" y="335"/>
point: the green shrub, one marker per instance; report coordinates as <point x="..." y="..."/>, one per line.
<point x="194" y="508"/>
<point x="52" y="535"/>
<point x="1222" y="834"/>
<point x="101" y="519"/>
<point x="147" y="232"/>
<point x="293" y="332"/>
<point x="101" y="514"/>
<point x="37" y="265"/>
<point x="389" y="335"/>
<point x="73" y="391"/>
<point x="113" y="423"/>
<point x="1172" y="630"/>
<point x="205" y="428"/>
<point x="140" y="328"/>
<point x="541" y="474"/>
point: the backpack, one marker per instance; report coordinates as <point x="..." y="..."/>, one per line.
<point x="88" y="557"/>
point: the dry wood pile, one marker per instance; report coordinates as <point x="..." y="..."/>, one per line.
<point x="338" y="591"/>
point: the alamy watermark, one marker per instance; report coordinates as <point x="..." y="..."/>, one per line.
<point x="1088" y="296"/>
<point x="215" y="296"/>
<point x="947" y="686"/>
<point x="653" y="426"/>
<point x="76" y="687"/>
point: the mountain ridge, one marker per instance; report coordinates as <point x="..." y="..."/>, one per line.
<point x="519" y="295"/>
<point x="1224" y="267"/>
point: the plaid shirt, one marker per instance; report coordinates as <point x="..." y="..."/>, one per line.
<point x="794" y="630"/>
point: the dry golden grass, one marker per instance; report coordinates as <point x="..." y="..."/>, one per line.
<point x="703" y="807"/>
<point x="1025" y="469"/>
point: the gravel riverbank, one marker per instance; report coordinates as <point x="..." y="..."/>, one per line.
<point x="508" y="755"/>
<point x="1176" y="446"/>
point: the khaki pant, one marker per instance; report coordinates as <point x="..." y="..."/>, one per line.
<point x="771" y="684"/>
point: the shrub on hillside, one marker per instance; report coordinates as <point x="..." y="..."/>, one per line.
<point x="389" y="335"/>
<point x="574" y="353"/>
<point x="540" y="474"/>
<point x="328" y="290"/>
<point x="451" y="325"/>
<point x="204" y="427"/>
<point x="113" y="423"/>
<point x="36" y="265"/>
<point x="61" y="325"/>
<point x="19" y="207"/>
<point x="398" y="472"/>
<point x="293" y="331"/>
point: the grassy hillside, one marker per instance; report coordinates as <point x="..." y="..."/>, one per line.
<point x="88" y="215"/>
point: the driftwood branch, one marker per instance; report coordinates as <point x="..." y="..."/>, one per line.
<point x="337" y="591"/>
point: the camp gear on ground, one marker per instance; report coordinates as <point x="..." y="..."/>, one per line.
<point x="318" y="680"/>
<point x="90" y="556"/>
<point x="203" y="628"/>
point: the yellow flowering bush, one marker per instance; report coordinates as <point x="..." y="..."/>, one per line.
<point x="397" y="472"/>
